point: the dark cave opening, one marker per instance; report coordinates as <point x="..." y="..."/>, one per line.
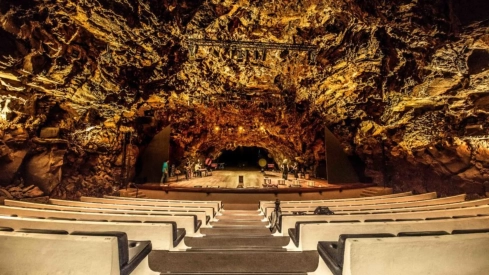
<point x="245" y="157"/>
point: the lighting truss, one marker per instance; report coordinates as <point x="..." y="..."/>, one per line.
<point x="251" y="45"/>
<point x="241" y="47"/>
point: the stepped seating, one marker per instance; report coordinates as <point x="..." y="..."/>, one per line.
<point x="240" y="242"/>
<point x="200" y="214"/>
<point x="264" y="204"/>
<point x="307" y="216"/>
<point x="379" y="206"/>
<point x="195" y="204"/>
<point x="219" y="203"/>
<point x="306" y="235"/>
<point x="163" y="235"/>
<point x="209" y="211"/>
<point x="57" y="252"/>
<point x="290" y="221"/>
<point x="406" y="254"/>
<point x="187" y="222"/>
<point x="356" y="204"/>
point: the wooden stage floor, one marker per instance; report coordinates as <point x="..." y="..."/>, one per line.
<point x="230" y="179"/>
<point x="253" y="180"/>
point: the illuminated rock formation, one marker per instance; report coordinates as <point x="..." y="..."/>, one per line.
<point x="411" y="76"/>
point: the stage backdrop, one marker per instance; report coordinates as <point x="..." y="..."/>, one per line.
<point x="157" y="152"/>
<point x="338" y="166"/>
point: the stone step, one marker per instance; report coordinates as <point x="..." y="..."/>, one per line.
<point x="236" y="231"/>
<point x="248" y="226"/>
<point x="215" y="261"/>
<point x="239" y="222"/>
<point x="239" y="248"/>
<point x="242" y="218"/>
<point x="241" y="212"/>
<point x="240" y="273"/>
<point x="226" y="241"/>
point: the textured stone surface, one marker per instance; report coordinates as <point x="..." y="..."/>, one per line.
<point x="403" y="84"/>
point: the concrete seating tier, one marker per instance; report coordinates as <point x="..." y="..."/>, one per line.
<point x="56" y="252"/>
<point x="200" y="214"/>
<point x="290" y="221"/>
<point x="379" y="206"/>
<point x="209" y="211"/>
<point x="163" y="235"/>
<point x="405" y="199"/>
<point x="187" y="222"/>
<point x="263" y="204"/>
<point x="411" y="253"/>
<point x="219" y="203"/>
<point x="307" y="215"/>
<point x="306" y="235"/>
<point x="196" y="204"/>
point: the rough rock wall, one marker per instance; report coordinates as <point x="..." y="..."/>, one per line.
<point x="403" y="84"/>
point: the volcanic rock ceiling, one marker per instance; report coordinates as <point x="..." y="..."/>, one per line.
<point x="403" y="85"/>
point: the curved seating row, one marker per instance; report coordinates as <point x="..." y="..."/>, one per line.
<point x="376" y="207"/>
<point x="187" y="222"/>
<point x="291" y="221"/>
<point x="209" y="211"/>
<point x="264" y="204"/>
<point x="200" y="214"/>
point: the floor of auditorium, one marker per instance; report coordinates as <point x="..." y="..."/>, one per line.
<point x="237" y="243"/>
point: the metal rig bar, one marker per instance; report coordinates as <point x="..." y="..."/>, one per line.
<point x="252" y="45"/>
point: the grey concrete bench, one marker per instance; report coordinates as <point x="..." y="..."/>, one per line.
<point x="163" y="235"/>
<point x="57" y="252"/>
<point x="410" y="253"/>
<point x="310" y="233"/>
<point x="200" y="214"/>
<point x="263" y="204"/>
<point x="188" y="222"/>
<point x="218" y="203"/>
<point x="290" y="221"/>
<point x="212" y="205"/>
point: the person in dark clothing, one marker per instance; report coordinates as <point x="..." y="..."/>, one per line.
<point x="285" y="170"/>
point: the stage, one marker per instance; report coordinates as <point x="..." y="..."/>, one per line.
<point x="223" y="185"/>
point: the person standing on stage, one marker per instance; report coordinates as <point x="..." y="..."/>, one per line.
<point x="164" y="170"/>
<point x="197" y="168"/>
<point x="186" y="169"/>
<point x="285" y="169"/>
<point x="295" y="170"/>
